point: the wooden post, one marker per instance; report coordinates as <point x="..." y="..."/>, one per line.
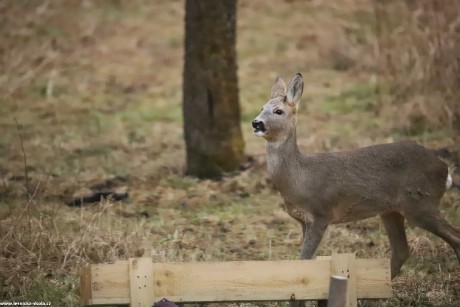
<point x="141" y="282"/>
<point x="85" y="286"/>
<point x="337" y="291"/>
<point x="344" y="265"/>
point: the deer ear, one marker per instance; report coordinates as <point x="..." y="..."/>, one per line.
<point x="279" y="88"/>
<point x="295" y="90"/>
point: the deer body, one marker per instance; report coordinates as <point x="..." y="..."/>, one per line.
<point x="349" y="186"/>
<point x="396" y="181"/>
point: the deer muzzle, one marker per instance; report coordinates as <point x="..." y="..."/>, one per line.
<point x="259" y="127"/>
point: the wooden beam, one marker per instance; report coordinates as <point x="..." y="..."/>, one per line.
<point x="373" y="278"/>
<point x="242" y="281"/>
<point x="226" y="281"/>
<point x="365" y="270"/>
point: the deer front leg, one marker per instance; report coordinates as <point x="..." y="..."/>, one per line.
<point x="313" y="233"/>
<point x="297" y="215"/>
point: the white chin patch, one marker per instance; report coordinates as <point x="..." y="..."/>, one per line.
<point x="259" y="133"/>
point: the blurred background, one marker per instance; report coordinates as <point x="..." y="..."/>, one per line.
<point x="93" y="157"/>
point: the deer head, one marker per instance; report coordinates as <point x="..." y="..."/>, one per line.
<point x="277" y="120"/>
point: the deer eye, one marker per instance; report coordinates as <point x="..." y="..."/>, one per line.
<point x="278" y="112"/>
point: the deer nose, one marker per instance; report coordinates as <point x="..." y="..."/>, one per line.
<point x="258" y="125"/>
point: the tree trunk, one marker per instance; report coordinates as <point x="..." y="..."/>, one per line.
<point x="214" y="142"/>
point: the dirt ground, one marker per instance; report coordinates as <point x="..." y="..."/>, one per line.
<point x="90" y="98"/>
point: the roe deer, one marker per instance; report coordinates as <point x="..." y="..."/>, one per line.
<point x="396" y="181"/>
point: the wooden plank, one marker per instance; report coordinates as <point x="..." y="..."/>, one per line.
<point x="242" y="281"/>
<point x="235" y="281"/>
<point x="85" y="285"/>
<point x="141" y="282"/>
<point x="323" y="303"/>
<point x="110" y="282"/>
<point x="373" y="278"/>
<point x="109" y="301"/>
<point x="344" y="265"/>
<point x="323" y="257"/>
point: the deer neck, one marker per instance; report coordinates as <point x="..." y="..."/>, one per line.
<point x="282" y="156"/>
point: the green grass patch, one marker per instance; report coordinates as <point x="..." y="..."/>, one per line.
<point x="170" y="114"/>
<point x="49" y="31"/>
<point x="49" y="290"/>
<point x="423" y="134"/>
<point x="252" y="102"/>
<point x="153" y="112"/>
<point x="361" y="98"/>
<point x="41" y="90"/>
<point x="182" y="182"/>
<point x="114" y="10"/>
<point x="249" y="115"/>
<point x="94" y="150"/>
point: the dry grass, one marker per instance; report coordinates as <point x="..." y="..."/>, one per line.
<point x="96" y="89"/>
<point x="418" y="47"/>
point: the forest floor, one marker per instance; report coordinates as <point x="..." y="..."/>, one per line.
<point x="91" y="100"/>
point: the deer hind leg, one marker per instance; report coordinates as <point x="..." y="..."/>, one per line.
<point x="394" y="227"/>
<point x="432" y="221"/>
